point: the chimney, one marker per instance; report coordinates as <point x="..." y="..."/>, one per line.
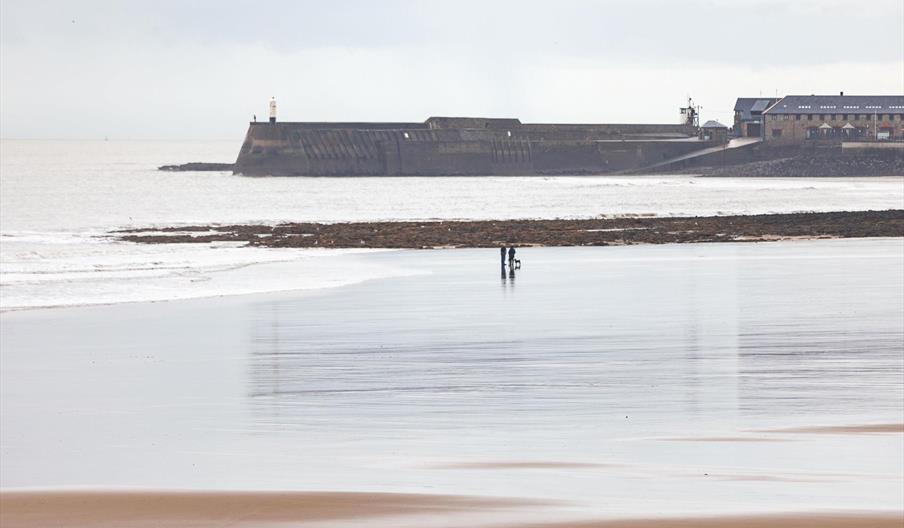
<point x="841" y="94"/>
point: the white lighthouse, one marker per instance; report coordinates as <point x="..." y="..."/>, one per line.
<point x="273" y="109"/>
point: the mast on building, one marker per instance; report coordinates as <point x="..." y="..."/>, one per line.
<point x="690" y="114"/>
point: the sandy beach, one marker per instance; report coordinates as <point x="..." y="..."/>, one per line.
<point x="171" y="508"/>
<point x="648" y="385"/>
<point x="97" y="509"/>
<point x="793" y="520"/>
<point x="845" y="429"/>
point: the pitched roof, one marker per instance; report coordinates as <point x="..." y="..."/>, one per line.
<point x="838" y="104"/>
<point x="760" y="105"/>
<point x="745" y="105"/>
<point x="713" y="124"/>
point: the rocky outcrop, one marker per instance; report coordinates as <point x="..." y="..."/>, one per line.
<point x="815" y="165"/>
<point x="493" y="233"/>
<point x="197" y="166"/>
<point x="768" y="161"/>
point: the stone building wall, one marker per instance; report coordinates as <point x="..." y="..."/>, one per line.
<point x="797" y="128"/>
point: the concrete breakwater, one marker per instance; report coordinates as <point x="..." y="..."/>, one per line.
<point x="450" y="146"/>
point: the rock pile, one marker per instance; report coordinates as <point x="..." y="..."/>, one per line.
<point x="493" y="233"/>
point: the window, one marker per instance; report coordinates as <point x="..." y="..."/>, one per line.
<point x="822" y="117"/>
<point x="844" y="117"/>
<point x="776" y="132"/>
<point x="797" y="117"/>
<point x="809" y="117"/>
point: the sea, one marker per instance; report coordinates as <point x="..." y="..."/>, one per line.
<point x="62" y="201"/>
<point x="652" y="380"/>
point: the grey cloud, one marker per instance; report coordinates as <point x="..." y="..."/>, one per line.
<point x="647" y="31"/>
<point x="199" y="69"/>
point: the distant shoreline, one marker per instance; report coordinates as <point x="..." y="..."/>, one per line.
<point x="495" y="233"/>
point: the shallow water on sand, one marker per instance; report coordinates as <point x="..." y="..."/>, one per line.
<point x="624" y="379"/>
<point x="59" y="200"/>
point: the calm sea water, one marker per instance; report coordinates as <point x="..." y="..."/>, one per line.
<point x="59" y="198"/>
<point x="659" y="367"/>
<point x="662" y="365"/>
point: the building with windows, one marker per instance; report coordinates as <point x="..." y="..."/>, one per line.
<point x="748" y="115"/>
<point x="801" y="118"/>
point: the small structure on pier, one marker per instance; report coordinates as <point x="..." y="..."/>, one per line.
<point x="714" y="131"/>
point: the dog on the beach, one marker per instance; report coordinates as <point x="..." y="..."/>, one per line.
<point x="517" y="264"/>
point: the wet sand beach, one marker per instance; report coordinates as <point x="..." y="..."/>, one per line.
<point x="707" y="384"/>
<point x="817" y="520"/>
<point x="844" y="429"/>
<point x="256" y="509"/>
<point x="27" y="509"/>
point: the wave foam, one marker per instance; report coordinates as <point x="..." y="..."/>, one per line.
<point x="51" y="270"/>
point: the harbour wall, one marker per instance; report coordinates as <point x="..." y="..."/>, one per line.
<point x="457" y="146"/>
<point x="812" y="159"/>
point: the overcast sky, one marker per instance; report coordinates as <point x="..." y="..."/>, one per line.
<point x="182" y="69"/>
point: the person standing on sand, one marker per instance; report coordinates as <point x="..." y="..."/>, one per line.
<point x="511" y="253"/>
<point x="502" y="255"/>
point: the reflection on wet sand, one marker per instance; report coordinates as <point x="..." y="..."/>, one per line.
<point x="765" y="478"/>
<point x="793" y="520"/>
<point x="524" y="465"/>
<point x="612" y="381"/>
<point x="651" y="367"/>
<point x="842" y="429"/>
<point x="725" y="439"/>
